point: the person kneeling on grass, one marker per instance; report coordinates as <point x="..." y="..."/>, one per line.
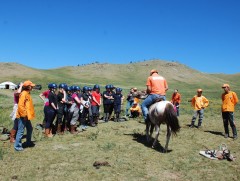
<point x="135" y="110"/>
<point x="25" y="114"/>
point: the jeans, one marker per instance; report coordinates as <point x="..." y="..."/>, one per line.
<point x="228" y="117"/>
<point x="148" y="102"/>
<point x="196" y="113"/>
<point x="21" y="126"/>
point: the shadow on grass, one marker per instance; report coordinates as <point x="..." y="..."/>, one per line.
<point x="215" y="132"/>
<point x="142" y="139"/>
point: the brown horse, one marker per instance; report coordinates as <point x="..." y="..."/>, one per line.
<point x="162" y="113"/>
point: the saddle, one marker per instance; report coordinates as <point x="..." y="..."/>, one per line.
<point x="158" y="100"/>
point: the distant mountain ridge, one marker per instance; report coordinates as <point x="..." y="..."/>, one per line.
<point x="124" y="75"/>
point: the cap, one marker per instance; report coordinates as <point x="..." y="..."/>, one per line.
<point x="28" y="83"/>
<point x="225" y="85"/>
<point x="135" y="88"/>
<point x="199" y="90"/>
<point x="153" y="71"/>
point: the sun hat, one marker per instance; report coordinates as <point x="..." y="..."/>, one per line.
<point x="28" y="83"/>
<point x="225" y="85"/>
<point x="153" y="71"/>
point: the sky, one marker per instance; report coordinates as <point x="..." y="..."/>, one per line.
<point x="45" y="34"/>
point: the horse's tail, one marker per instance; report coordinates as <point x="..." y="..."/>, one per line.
<point x="172" y="119"/>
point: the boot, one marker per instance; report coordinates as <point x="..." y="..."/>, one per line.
<point x="115" y="118"/>
<point x="199" y="125"/>
<point x="12" y="135"/>
<point x="59" y="129"/>
<point x="234" y="130"/>
<point x="107" y="117"/>
<point x="96" y="120"/>
<point x="48" y="133"/>
<point x="73" y="129"/>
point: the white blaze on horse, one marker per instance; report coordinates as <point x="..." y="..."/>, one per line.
<point x="162" y="113"/>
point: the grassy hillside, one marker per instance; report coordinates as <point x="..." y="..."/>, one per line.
<point x="123" y="75"/>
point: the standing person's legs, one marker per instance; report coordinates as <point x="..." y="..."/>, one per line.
<point x="232" y="124"/>
<point x="45" y="114"/>
<point x="13" y="131"/>
<point x="201" y="115"/>
<point x="95" y="112"/>
<point x="106" y="112"/>
<point x="225" y="118"/>
<point x="50" y="115"/>
<point x="29" y="132"/>
<point x="177" y="108"/>
<point x="195" y="114"/>
<point x="20" y="131"/>
<point x="60" y="119"/>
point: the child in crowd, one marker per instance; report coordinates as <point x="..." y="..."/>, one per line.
<point x="51" y="110"/>
<point x="96" y="103"/>
<point x="135" y="110"/>
<point x="118" y="98"/>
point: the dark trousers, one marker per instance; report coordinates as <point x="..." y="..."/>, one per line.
<point x="60" y="114"/>
<point x="50" y="116"/>
<point x="228" y="117"/>
<point x="84" y="115"/>
<point x="117" y="108"/>
<point x="95" y="111"/>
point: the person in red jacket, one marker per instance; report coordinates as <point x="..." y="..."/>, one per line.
<point x="229" y="100"/>
<point x="176" y="99"/>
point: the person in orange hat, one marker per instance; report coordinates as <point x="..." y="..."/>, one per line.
<point x="135" y="110"/>
<point x="229" y="100"/>
<point x="25" y="113"/>
<point x="176" y="99"/>
<point x="199" y="103"/>
<point x="156" y="89"/>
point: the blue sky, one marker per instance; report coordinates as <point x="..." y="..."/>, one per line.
<point x="202" y="34"/>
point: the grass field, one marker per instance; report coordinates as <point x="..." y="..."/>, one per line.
<point x="124" y="147"/>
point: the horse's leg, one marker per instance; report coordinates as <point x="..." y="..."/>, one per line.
<point x="156" y="137"/>
<point x="168" y="137"/>
<point x="147" y="130"/>
<point x="151" y="130"/>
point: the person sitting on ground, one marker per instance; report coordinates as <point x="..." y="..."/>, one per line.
<point x="135" y="110"/>
<point x="199" y="103"/>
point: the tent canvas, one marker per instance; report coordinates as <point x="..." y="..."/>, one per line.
<point x="7" y="85"/>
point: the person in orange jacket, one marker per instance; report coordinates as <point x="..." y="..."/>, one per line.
<point x="199" y="103"/>
<point x="176" y="99"/>
<point x="229" y="100"/>
<point x="25" y="113"/>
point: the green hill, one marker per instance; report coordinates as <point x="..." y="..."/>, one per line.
<point x="123" y="75"/>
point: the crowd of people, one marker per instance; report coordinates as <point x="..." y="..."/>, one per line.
<point x="75" y="109"/>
